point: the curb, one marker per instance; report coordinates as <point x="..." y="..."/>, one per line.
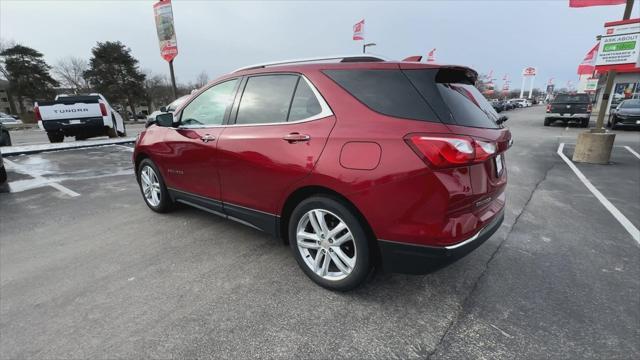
<point x="34" y="149"/>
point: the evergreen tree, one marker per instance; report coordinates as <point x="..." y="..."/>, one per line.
<point x="114" y="73"/>
<point x="28" y="74"/>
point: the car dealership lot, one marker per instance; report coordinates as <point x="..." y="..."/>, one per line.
<point x="98" y="274"/>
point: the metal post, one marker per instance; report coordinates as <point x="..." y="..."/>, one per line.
<point x="364" y="47"/>
<point x="524" y="78"/>
<point x="173" y="80"/>
<point x="531" y="86"/>
<point x="627" y="10"/>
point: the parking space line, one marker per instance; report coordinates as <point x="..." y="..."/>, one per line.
<point x="45" y="182"/>
<point x="631" y="229"/>
<point x="124" y="146"/>
<point x="632" y="151"/>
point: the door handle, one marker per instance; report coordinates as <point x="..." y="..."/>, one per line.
<point x="295" y="137"/>
<point x="207" y="138"/>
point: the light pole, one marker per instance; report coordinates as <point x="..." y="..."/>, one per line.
<point x="364" y="47"/>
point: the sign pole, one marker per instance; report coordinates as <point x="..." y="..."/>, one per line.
<point x="524" y="78"/>
<point x="531" y="86"/>
<point x="173" y="80"/>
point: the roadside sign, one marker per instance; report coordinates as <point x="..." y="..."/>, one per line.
<point x="619" y="44"/>
<point x="166" y="31"/>
<point x="591" y="85"/>
<point x="529" y="71"/>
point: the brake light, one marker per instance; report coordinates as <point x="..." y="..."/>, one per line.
<point x="36" y="113"/>
<point x="548" y="107"/>
<point x="103" y="109"/>
<point x="444" y="151"/>
<point x="589" y="108"/>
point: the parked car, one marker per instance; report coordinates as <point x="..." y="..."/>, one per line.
<point x="569" y="108"/>
<point x="497" y="105"/>
<point x="7" y="119"/>
<point x="82" y="116"/>
<point x="627" y="113"/>
<point x="357" y="164"/>
<point x="165" y="109"/>
<point x="5" y="137"/>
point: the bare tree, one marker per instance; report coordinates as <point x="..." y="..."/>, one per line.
<point x="202" y="79"/>
<point x="157" y="90"/>
<point x="69" y="72"/>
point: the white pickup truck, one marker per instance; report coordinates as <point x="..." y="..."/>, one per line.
<point x="82" y="116"/>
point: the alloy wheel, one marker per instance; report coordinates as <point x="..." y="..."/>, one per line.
<point x="326" y="244"/>
<point x="150" y="185"/>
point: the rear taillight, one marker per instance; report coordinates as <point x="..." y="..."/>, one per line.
<point x="103" y="109"/>
<point x="589" y="108"/>
<point x="444" y="151"/>
<point x="548" y="107"/>
<point x="36" y="113"/>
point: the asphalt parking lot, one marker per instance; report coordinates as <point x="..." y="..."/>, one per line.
<point x="91" y="272"/>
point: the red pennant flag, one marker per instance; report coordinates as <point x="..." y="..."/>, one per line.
<point x="588" y="63"/>
<point x="431" y="56"/>
<point x="358" y="30"/>
<point x="586" y="3"/>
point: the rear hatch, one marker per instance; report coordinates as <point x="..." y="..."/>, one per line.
<point x="567" y="104"/>
<point x="71" y="108"/>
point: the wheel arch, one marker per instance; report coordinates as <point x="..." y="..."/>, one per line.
<point x="300" y="194"/>
<point x="138" y="159"/>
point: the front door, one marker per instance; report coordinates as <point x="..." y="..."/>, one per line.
<point x="192" y="157"/>
<point x="281" y="126"/>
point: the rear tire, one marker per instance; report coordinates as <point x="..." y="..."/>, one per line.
<point x="111" y="132"/>
<point x="55" y="137"/>
<point x="334" y="239"/>
<point x="154" y="192"/>
<point x="585" y="123"/>
<point x="5" y="139"/>
<point x="547" y="122"/>
<point x="123" y="133"/>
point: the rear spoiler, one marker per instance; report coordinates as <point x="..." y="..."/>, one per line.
<point x="446" y="73"/>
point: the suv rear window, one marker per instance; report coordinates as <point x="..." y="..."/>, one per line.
<point x="437" y="95"/>
<point x="577" y="98"/>
<point x="388" y="92"/>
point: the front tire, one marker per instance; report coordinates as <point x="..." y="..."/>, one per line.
<point x="329" y="243"/>
<point x="154" y="192"/>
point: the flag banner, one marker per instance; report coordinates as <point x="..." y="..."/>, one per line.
<point x="166" y="32"/>
<point x="586" y="3"/>
<point x="431" y="56"/>
<point x="588" y="64"/>
<point x="358" y="30"/>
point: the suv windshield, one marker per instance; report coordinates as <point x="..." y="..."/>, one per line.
<point x="630" y="104"/>
<point x="577" y="98"/>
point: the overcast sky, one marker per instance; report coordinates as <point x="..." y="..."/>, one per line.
<point x="219" y="36"/>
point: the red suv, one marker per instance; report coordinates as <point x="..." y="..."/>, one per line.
<point x="356" y="162"/>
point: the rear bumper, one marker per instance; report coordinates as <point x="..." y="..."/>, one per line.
<point x="558" y="116"/>
<point x="88" y="126"/>
<point x="419" y="259"/>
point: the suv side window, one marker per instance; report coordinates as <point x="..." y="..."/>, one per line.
<point x="304" y="104"/>
<point x="210" y="107"/>
<point x="266" y="99"/>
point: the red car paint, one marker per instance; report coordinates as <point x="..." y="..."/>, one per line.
<point x="357" y="153"/>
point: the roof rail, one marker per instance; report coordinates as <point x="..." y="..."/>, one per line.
<point x="343" y="58"/>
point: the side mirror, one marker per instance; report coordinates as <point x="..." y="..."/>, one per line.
<point x="502" y="119"/>
<point x="165" y="120"/>
<point x="163" y="109"/>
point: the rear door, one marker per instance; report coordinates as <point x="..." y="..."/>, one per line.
<point x="191" y="160"/>
<point x="277" y="131"/>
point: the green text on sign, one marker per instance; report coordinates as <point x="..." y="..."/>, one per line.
<point x="627" y="45"/>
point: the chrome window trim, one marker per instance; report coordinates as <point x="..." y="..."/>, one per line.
<point x="324" y="112"/>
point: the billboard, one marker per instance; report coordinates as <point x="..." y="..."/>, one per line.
<point x="619" y="44"/>
<point x="166" y="32"/>
<point x="529" y="71"/>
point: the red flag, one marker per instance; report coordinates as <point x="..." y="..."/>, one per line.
<point x="358" y="30"/>
<point x="431" y="56"/>
<point x="585" y="3"/>
<point x="588" y="63"/>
